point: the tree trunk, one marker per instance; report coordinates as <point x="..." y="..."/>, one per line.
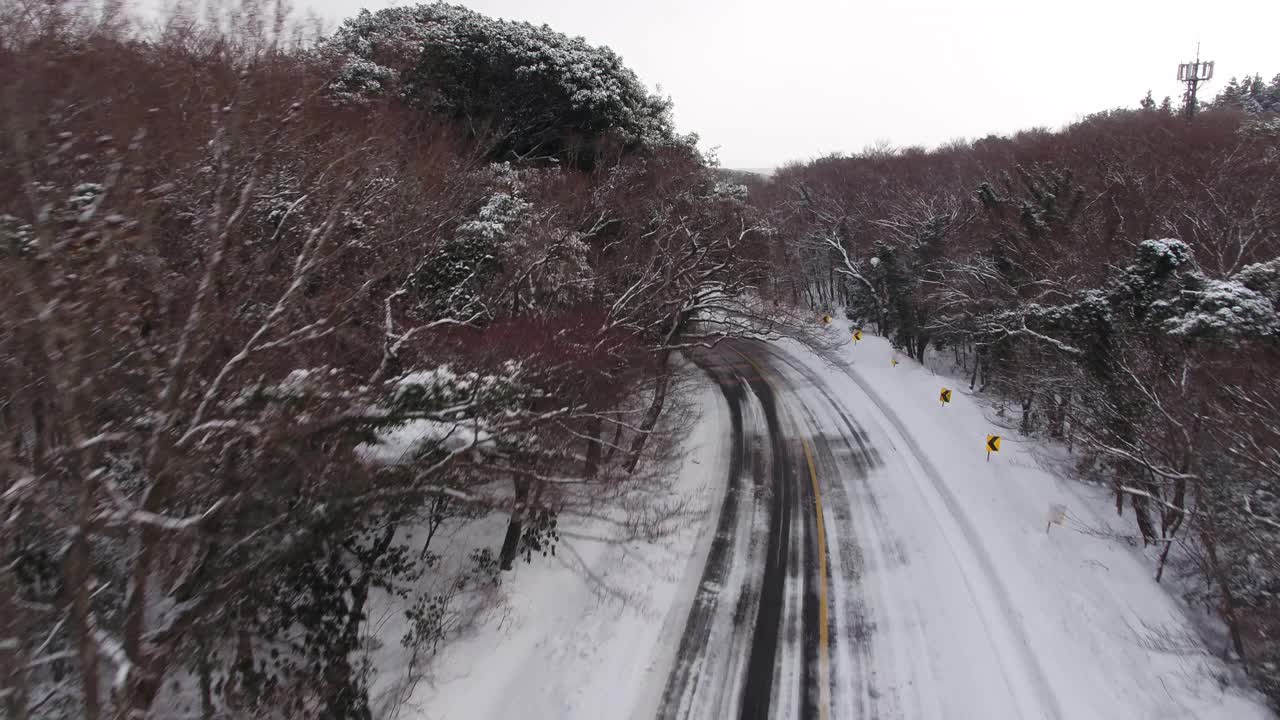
<point x="1057" y="409"/>
<point x="1069" y="426"/>
<point x="247" y="680"/>
<point x="1228" y="599"/>
<point x="594" y="428"/>
<point x="615" y="444"/>
<point x="348" y="696"/>
<point x="37" y="436"/>
<point x="439" y="506"/>
<point x="13" y="660"/>
<point x="77" y="574"/>
<point x="515" y="526"/>
<point x="1164" y="557"/>
<point x="1145" y="526"/>
<point x="205" y="671"/>
<point x="654" y="412"/>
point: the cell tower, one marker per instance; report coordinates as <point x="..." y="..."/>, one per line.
<point x="1192" y="74"/>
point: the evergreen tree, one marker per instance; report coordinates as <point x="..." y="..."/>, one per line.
<point x="531" y="90"/>
<point x="1252" y="95"/>
<point x="1230" y="97"/>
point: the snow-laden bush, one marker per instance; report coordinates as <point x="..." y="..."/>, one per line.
<point x="444" y="392"/>
<point x="1263" y="278"/>
<point x="453" y="280"/>
<point x="1166" y="286"/>
<point x="1164" y="291"/>
<point x="442" y="410"/>
<point x="1219" y="308"/>
<point x="1154" y="275"/>
<point x="16" y="236"/>
<point x="510" y="237"/>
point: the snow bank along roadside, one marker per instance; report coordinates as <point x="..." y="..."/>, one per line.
<point x="590" y="632"/>
<point x="1112" y="642"/>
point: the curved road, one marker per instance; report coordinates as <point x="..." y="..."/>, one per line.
<point x="813" y="603"/>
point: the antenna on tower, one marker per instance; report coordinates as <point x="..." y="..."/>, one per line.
<point x="1192" y="74"/>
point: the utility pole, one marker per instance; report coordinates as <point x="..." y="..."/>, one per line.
<point x="1192" y="74"/>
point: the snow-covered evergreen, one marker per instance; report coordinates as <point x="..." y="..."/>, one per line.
<point x="1251" y="95"/>
<point x="537" y="89"/>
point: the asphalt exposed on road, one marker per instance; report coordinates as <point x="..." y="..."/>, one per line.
<point x="697" y="633"/>
<point x="750" y="645"/>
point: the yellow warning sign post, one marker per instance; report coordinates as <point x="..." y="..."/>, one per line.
<point x="993" y="445"/>
<point x="944" y="396"/>
<point x="857" y="335"/>
<point x="826" y="319"/>
<point x="893" y="362"/>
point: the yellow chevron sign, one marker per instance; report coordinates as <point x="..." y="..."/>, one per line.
<point x="857" y="335"/>
<point x="993" y="443"/>
<point x="944" y="396"/>
<point x="893" y="362"/>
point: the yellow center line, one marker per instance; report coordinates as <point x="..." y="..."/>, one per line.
<point x="824" y="653"/>
<point x="824" y="660"/>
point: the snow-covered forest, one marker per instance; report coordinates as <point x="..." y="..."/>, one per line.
<point x="1117" y="284"/>
<point x="267" y="305"/>
<point x="280" y="311"/>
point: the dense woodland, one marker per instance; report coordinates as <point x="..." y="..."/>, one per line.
<point x="268" y="307"/>
<point x="275" y="312"/>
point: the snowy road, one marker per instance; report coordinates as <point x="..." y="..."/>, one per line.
<point x="750" y="642"/>
<point x="848" y="552"/>
<point x="866" y="565"/>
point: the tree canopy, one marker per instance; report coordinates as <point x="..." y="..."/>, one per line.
<point x="532" y="91"/>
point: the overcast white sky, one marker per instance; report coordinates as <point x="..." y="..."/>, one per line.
<point x="770" y="82"/>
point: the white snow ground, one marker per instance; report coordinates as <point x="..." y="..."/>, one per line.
<point x="592" y="632"/>
<point x="963" y="607"/>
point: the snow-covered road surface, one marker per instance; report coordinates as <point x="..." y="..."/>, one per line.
<point x="752" y="638"/>
<point x="945" y="596"/>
